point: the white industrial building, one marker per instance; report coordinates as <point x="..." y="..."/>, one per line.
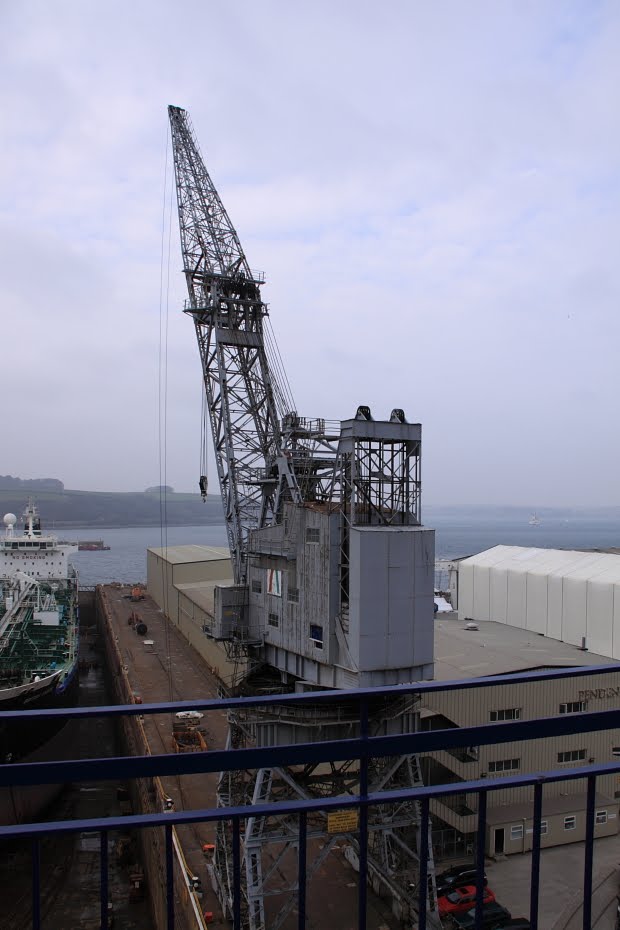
<point x="571" y="596"/>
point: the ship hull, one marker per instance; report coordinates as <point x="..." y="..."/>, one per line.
<point x="35" y="741"/>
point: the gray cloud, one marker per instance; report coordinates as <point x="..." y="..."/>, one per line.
<point x="432" y="190"/>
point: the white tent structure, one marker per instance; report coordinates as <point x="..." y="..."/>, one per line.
<point x="567" y="595"/>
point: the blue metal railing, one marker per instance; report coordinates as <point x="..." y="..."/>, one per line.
<point x="362" y="747"/>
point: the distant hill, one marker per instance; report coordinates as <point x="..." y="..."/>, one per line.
<point x="32" y="485"/>
<point x="61" y="507"/>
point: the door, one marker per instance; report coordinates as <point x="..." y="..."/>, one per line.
<point x="498" y="841"/>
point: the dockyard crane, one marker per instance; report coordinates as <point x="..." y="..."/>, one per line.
<point x="246" y="400"/>
<point x="333" y="570"/>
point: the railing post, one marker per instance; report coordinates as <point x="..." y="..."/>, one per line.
<point x="423" y="886"/>
<point x="103" y="881"/>
<point x="363" y="815"/>
<point x="301" y="871"/>
<point x="589" y="853"/>
<point x="236" y="875"/>
<point x="36" y="884"/>
<point x="480" y="848"/>
<point x="535" y="872"/>
<point x="169" y="878"/>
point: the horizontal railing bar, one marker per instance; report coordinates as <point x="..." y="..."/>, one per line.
<point x="179" y="818"/>
<point x="222" y="760"/>
<point x="316" y="697"/>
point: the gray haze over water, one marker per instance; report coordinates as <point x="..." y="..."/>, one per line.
<point x="459" y="532"/>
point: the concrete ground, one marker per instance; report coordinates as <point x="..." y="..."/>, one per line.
<point x="561" y="885"/>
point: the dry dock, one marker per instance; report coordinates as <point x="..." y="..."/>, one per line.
<point x="161" y="665"/>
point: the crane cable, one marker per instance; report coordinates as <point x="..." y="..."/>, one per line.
<point x="164" y="305"/>
<point x="204" y="442"/>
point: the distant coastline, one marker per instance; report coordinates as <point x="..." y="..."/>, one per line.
<point x="62" y="508"/>
<point x="65" y="509"/>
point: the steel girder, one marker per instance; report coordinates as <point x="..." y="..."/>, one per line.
<point x="269" y="846"/>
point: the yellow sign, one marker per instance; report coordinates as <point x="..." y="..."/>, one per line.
<point x="342" y="821"/>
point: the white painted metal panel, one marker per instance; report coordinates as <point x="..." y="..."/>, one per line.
<point x="573" y="610"/>
<point x="555" y="606"/>
<point x="481" y="592"/>
<point x="615" y="653"/>
<point x="517" y="588"/>
<point x="466" y="590"/>
<point x="536" y="602"/>
<point x="498" y="607"/>
<point x="600" y="616"/>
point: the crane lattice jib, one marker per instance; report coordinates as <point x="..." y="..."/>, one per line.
<point x="225" y="303"/>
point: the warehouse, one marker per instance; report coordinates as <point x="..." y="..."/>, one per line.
<point x="181" y="580"/>
<point x="471" y="650"/>
<point x="572" y="596"/>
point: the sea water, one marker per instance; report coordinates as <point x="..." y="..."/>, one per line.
<point x="460" y="532"/>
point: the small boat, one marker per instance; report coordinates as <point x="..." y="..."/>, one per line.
<point x="92" y="545"/>
<point x="534" y="520"/>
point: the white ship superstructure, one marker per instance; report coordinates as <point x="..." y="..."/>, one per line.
<point x="34" y="553"/>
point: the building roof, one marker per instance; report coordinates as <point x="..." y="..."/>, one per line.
<point x="201" y="592"/>
<point x="582" y="564"/>
<point x="178" y="555"/>
<point x="497" y="649"/>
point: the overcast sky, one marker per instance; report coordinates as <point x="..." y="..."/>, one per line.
<point x="431" y="187"/>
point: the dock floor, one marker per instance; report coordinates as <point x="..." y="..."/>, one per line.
<point x="171" y="669"/>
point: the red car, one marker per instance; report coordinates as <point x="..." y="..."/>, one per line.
<point x="461" y="900"/>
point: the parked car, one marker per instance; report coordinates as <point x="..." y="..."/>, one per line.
<point x="457" y="876"/>
<point x="493" y="915"/>
<point x="461" y="900"/>
<point x="515" y="923"/>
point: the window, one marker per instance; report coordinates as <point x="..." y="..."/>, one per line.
<point x="601" y="817"/>
<point x="573" y="707"/>
<point x="293" y="595"/>
<point x="570" y="823"/>
<point x="508" y="713"/>
<point x="313" y="534"/>
<point x="273" y="620"/>
<point x="516" y="832"/>
<point x="544" y="827"/>
<point x="572" y="755"/>
<point x="257" y="586"/>
<point x="316" y="635"/>
<point x="504" y="765"/>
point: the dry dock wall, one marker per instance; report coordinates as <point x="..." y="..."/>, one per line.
<point x="147" y="795"/>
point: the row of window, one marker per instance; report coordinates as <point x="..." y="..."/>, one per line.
<point x="316" y="631"/>
<point x="292" y="594"/>
<point x="570" y="823"/>
<point x="513" y="765"/>
<point x="514" y="713"/>
<point x="504" y="765"/>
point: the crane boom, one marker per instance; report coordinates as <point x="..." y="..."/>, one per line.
<point x="243" y="395"/>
